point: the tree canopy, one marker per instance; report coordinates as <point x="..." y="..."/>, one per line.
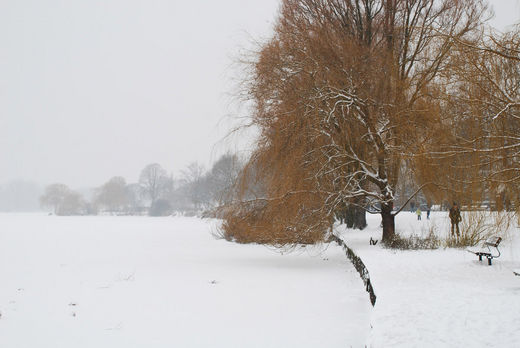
<point x="345" y="93"/>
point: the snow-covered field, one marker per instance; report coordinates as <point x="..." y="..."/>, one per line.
<point x="71" y="282"/>
<point x="440" y="298"/>
<point x="166" y="282"/>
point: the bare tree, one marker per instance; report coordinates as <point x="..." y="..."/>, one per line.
<point x="63" y="200"/>
<point x="136" y="204"/>
<point x="114" y="195"/>
<point x="223" y="176"/>
<point x="152" y="180"/>
<point x="196" y="185"/>
<point x="73" y="204"/>
<point x="54" y="195"/>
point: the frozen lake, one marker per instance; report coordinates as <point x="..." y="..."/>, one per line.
<point x="167" y="282"/>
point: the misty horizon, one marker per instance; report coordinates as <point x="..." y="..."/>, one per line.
<point x="93" y="90"/>
<point x="96" y="90"/>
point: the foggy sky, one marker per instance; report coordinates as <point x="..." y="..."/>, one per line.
<point x="91" y="89"/>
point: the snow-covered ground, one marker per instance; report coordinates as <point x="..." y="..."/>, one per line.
<point x="166" y="282"/>
<point x="72" y="282"/>
<point x="440" y="298"/>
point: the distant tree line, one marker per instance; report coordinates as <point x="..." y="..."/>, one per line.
<point x="157" y="193"/>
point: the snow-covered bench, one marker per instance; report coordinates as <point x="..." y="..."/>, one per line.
<point x="492" y="242"/>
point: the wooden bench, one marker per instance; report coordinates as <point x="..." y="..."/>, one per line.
<point x="492" y="242"/>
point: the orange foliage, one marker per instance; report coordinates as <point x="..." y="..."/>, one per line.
<point x="344" y="93"/>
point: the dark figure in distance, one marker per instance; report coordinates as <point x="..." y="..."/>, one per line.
<point x="455" y="218"/>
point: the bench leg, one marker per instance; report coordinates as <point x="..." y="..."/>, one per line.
<point x="480" y="257"/>
<point x="489" y="260"/>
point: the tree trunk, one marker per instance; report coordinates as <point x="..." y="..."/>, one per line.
<point x="388" y="223"/>
<point x="355" y="217"/>
<point x="360" y="219"/>
<point x="349" y="216"/>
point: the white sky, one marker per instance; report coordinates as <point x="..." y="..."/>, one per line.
<point x="507" y="12"/>
<point x="91" y="89"/>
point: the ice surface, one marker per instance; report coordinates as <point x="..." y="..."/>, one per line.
<point x="127" y="282"/>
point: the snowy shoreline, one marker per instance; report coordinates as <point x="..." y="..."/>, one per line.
<point x="439" y="298"/>
<point x="160" y="282"/>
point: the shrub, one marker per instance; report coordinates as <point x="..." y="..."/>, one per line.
<point x="477" y="226"/>
<point x="415" y="242"/>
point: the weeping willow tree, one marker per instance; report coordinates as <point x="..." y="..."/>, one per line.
<point x="344" y="92"/>
<point x="492" y="75"/>
<point x="478" y="158"/>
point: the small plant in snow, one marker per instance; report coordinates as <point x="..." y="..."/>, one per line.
<point x="477" y="226"/>
<point x="415" y="242"/>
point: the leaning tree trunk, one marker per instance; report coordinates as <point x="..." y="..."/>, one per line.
<point x="388" y="223"/>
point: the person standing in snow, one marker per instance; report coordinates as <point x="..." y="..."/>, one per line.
<point x="419" y="213"/>
<point x="455" y="218"/>
<point x="428" y="213"/>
